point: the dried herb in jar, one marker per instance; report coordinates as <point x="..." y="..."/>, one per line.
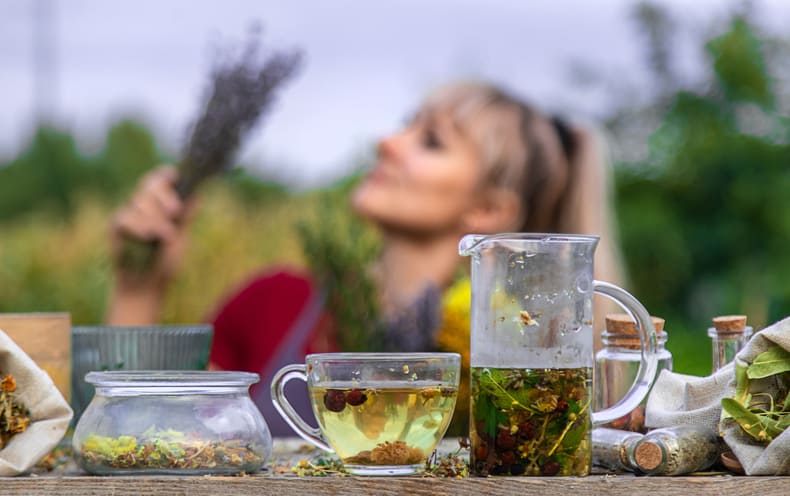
<point x="169" y="450"/>
<point x="676" y="450"/>
<point x="14" y="417"/>
<point x="613" y="448"/>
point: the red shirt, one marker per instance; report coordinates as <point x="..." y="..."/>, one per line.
<point x="276" y="319"/>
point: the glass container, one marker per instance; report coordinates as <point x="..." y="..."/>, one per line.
<point x="381" y="413"/>
<point x="171" y="422"/>
<point x="155" y="347"/>
<point x="532" y="353"/>
<point x="617" y="363"/>
<point x="728" y="335"/>
<point x="613" y="448"/>
<point x="676" y="450"/>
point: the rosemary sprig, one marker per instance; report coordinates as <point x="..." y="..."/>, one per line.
<point x="240" y="94"/>
<point x="340" y="249"/>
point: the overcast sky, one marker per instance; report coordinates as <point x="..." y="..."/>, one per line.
<point x="368" y="63"/>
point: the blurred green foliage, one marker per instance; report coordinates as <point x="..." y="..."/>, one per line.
<point x="339" y="249"/>
<point x="55" y="209"/>
<point x="705" y="220"/>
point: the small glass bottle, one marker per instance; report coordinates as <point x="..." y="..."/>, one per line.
<point x="617" y="363"/>
<point x="728" y="335"/>
<point x="614" y="448"/>
<point x="676" y="450"/>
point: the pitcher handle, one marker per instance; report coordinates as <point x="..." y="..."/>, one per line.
<point x="287" y="411"/>
<point x="648" y="366"/>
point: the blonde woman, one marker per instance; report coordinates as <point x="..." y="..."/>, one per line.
<point x="473" y="159"/>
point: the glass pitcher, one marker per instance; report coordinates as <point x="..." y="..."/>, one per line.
<point x="532" y="353"/>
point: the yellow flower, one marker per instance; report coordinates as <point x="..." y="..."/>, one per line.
<point x="453" y="336"/>
<point x="454" y="332"/>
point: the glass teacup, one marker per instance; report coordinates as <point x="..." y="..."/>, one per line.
<point x="382" y="413"/>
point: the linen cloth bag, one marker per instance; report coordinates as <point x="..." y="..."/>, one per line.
<point x="50" y="413"/>
<point x="678" y="399"/>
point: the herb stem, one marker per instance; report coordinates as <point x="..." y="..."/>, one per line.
<point x="565" y="431"/>
<point x="514" y="401"/>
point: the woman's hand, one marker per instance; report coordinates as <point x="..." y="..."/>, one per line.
<point x="154" y="212"/>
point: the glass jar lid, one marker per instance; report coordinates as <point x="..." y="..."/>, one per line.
<point x="170" y="382"/>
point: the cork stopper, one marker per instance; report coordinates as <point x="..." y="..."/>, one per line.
<point x="648" y="456"/>
<point x="729" y="323"/>
<point x="621" y="330"/>
<point x="622" y="324"/>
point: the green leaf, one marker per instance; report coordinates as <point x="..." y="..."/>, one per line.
<point x="574" y="437"/>
<point x="774" y="361"/>
<point x="748" y="421"/>
<point x="741" y="384"/>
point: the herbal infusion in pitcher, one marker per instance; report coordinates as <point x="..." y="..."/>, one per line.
<point x="394" y="423"/>
<point x="531" y="421"/>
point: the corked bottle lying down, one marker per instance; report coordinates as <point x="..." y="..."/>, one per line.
<point x="670" y="451"/>
<point x="613" y="448"/>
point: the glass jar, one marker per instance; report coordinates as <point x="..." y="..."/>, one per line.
<point x="613" y="448"/>
<point x="171" y="422"/>
<point x="616" y="366"/>
<point x="728" y="335"/>
<point x="676" y="450"/>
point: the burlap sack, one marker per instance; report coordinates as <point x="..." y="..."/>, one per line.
<point x="678" y="399"/>
<point x="49" y="412"/>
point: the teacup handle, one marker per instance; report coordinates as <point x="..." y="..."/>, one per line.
<point x="646" y="373"/>
<point x="286" y="410"/>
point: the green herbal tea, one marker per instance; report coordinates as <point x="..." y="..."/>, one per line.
<point x="393" y="423"/>
<point x="531" y="421"/>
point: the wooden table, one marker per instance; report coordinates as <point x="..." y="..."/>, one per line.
<point x="266" y="483"/>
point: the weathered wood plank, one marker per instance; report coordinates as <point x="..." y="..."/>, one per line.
<point x="73" y="483"/>
<point x="413" y="486"/>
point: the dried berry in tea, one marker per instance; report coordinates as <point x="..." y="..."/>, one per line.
<point x="530" y="421"/>
<point x="355" y="397"/>
<point x="385" y="424"/>
<point x="334" y="400"/>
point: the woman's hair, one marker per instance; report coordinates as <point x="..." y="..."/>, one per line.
<point x="558" y="170"/>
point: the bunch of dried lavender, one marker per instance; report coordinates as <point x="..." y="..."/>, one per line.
<point x="240" y="94"/>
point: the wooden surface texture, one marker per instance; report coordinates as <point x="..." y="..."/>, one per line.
<point x="287" y="452"/>
<point x="413" y="486"/>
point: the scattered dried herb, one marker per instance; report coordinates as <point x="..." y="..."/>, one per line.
<point x="763" y="415"/>
<point x="55" y="460"/>
<point x="320" y="467"/>
<point x="169" y="450"/>
<point x="530" y="421"/>
<point x="14" y="417"/>
<point x="240" y="94"/>
<point x="452" y="465"/>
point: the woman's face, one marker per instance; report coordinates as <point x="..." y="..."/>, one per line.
<point x="424" y="179"/>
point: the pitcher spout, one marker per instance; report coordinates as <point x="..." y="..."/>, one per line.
<point x="469" y="244"/>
